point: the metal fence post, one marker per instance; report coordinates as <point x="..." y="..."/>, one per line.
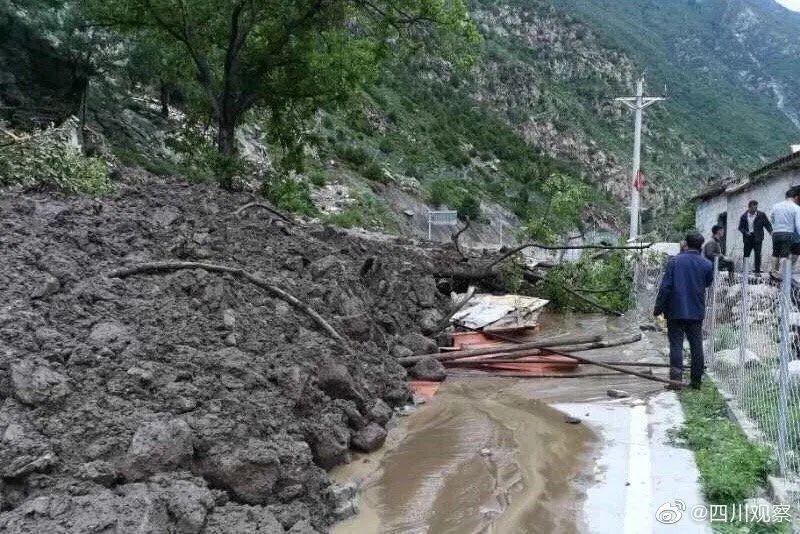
<point x="783" y="374"/>
<point x="743" y="327"/>
<point x="713" y="323"/>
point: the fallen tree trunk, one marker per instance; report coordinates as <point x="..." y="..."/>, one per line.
<point x="625" y="340"/>
<point x="441" y="325"/>
<point x="530" y="276"/>
<point x="520" y="248"/>
<point x="512" y="374"/>
<point x="275" y="291"/>
<point x="500" y="349"/>
<point x="599" y="363"/>
<point x="465" y="363"/>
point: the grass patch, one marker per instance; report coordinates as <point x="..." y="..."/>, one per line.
<point x="369" y="213"/>
<point x="732" y="468"/>
<point x="289" y="195"/>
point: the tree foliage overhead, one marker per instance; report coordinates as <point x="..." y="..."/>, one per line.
<point x="289" y="56"/>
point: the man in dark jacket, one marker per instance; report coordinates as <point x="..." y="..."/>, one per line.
<point x="682" y="301"/>
<point x="752" y="225"/>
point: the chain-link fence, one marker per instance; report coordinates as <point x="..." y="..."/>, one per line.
<point x="751" y="337"/>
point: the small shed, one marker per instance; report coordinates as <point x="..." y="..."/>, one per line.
<point x="724" y="201"/>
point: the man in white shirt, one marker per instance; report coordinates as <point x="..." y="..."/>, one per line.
<point x="785" y="218"/>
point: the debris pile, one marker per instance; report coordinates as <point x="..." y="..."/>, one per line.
<point x="193" y="400"/>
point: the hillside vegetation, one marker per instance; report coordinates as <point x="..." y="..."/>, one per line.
<point x="528" y="116"/>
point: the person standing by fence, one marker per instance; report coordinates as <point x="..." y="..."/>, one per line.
<point x="713" y="250"/>
<point x="752" y="225"/>
<point x="785" y="218"/>
<point x="682" y="300"/>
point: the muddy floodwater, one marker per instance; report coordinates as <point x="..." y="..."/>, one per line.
<point x="481" y="457"/>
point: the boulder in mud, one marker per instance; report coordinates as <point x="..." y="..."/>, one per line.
<point x="250" y="472"/>
<point x="380" y="412"/>
<point x="242" y="518"/>
<point x="330" y="445"/>
<point x="328" y="266"/>
<point x="97" y="471"/>
<point x="178" y="506"/>
<point x="342" y="498"/>
<point x="35" y="383"/>
<point x="109" y="334"/>
<point x="161" y="445"/>
<point x="336" y="381"/>
<point x="369" y="438"/>
<point x="419" y="344"/>
<point x="429" y="369"/>
<point x="49" y="286"/>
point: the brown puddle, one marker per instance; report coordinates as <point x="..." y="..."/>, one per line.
<point x="479" y="458"/>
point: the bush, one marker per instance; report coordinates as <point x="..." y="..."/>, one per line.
<point x="289" y="194"/>
<point x="375" y="173"/>
<point x="351" y="218"/>
<point x="202" y="162"/>
<point x="46" y="159"/>
<point x="355" y="155"/>
<point x="318" y="178"/>
<point x="445" y="192"/>
<point x="370" y="213"/>
<point x="385" y="145"/>
<point x="469" y="208"/>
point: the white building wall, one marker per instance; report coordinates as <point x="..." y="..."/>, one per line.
<point x="708" y="213"/>
<point x="767" y="193"/>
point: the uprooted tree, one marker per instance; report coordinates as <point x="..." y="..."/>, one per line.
<point x="289" y="56"/>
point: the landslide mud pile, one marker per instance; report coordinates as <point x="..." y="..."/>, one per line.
<point x="191" y="401"/>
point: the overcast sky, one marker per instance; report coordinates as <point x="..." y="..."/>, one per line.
<point x="791" y="4"/>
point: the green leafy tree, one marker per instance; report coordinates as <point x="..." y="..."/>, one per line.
<point x="289" y="56"/>
<point x="566" y="200"/>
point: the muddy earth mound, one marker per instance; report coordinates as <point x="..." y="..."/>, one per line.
<point x="192" y="401"/>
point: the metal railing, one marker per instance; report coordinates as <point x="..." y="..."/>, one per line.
<point x="751" y="339"/>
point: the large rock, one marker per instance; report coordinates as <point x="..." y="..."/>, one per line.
<point x="419" y="344"/>
<point x="330" y="445"/>
<point x="242" y="518"/>
<point x="343" y="500"/>
<point x="249" y="472"/>
<point x="49" y="286"/>
<point x="35" y="383"/>
<point x="328" y="266"/>
<point x="173" y="506"/>
<point x="161" y="445"/>
<point x="369" y="438"/>
<point x="337" y="382"/>
<point x="107" y="332"/>
<point x="733" y="358"/>
<point x="380" y="412"/>
<point x="429" y="369"/>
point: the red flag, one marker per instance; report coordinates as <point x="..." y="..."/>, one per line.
<point x="639" y="182"/>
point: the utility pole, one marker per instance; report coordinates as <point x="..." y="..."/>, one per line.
<point x="638" y="104"/>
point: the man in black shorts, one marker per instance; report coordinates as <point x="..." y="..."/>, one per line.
<point x="785" y="218"/>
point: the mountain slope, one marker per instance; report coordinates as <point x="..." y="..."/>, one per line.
<point x="537" y="102"/>
<point x="732" y="66"/>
